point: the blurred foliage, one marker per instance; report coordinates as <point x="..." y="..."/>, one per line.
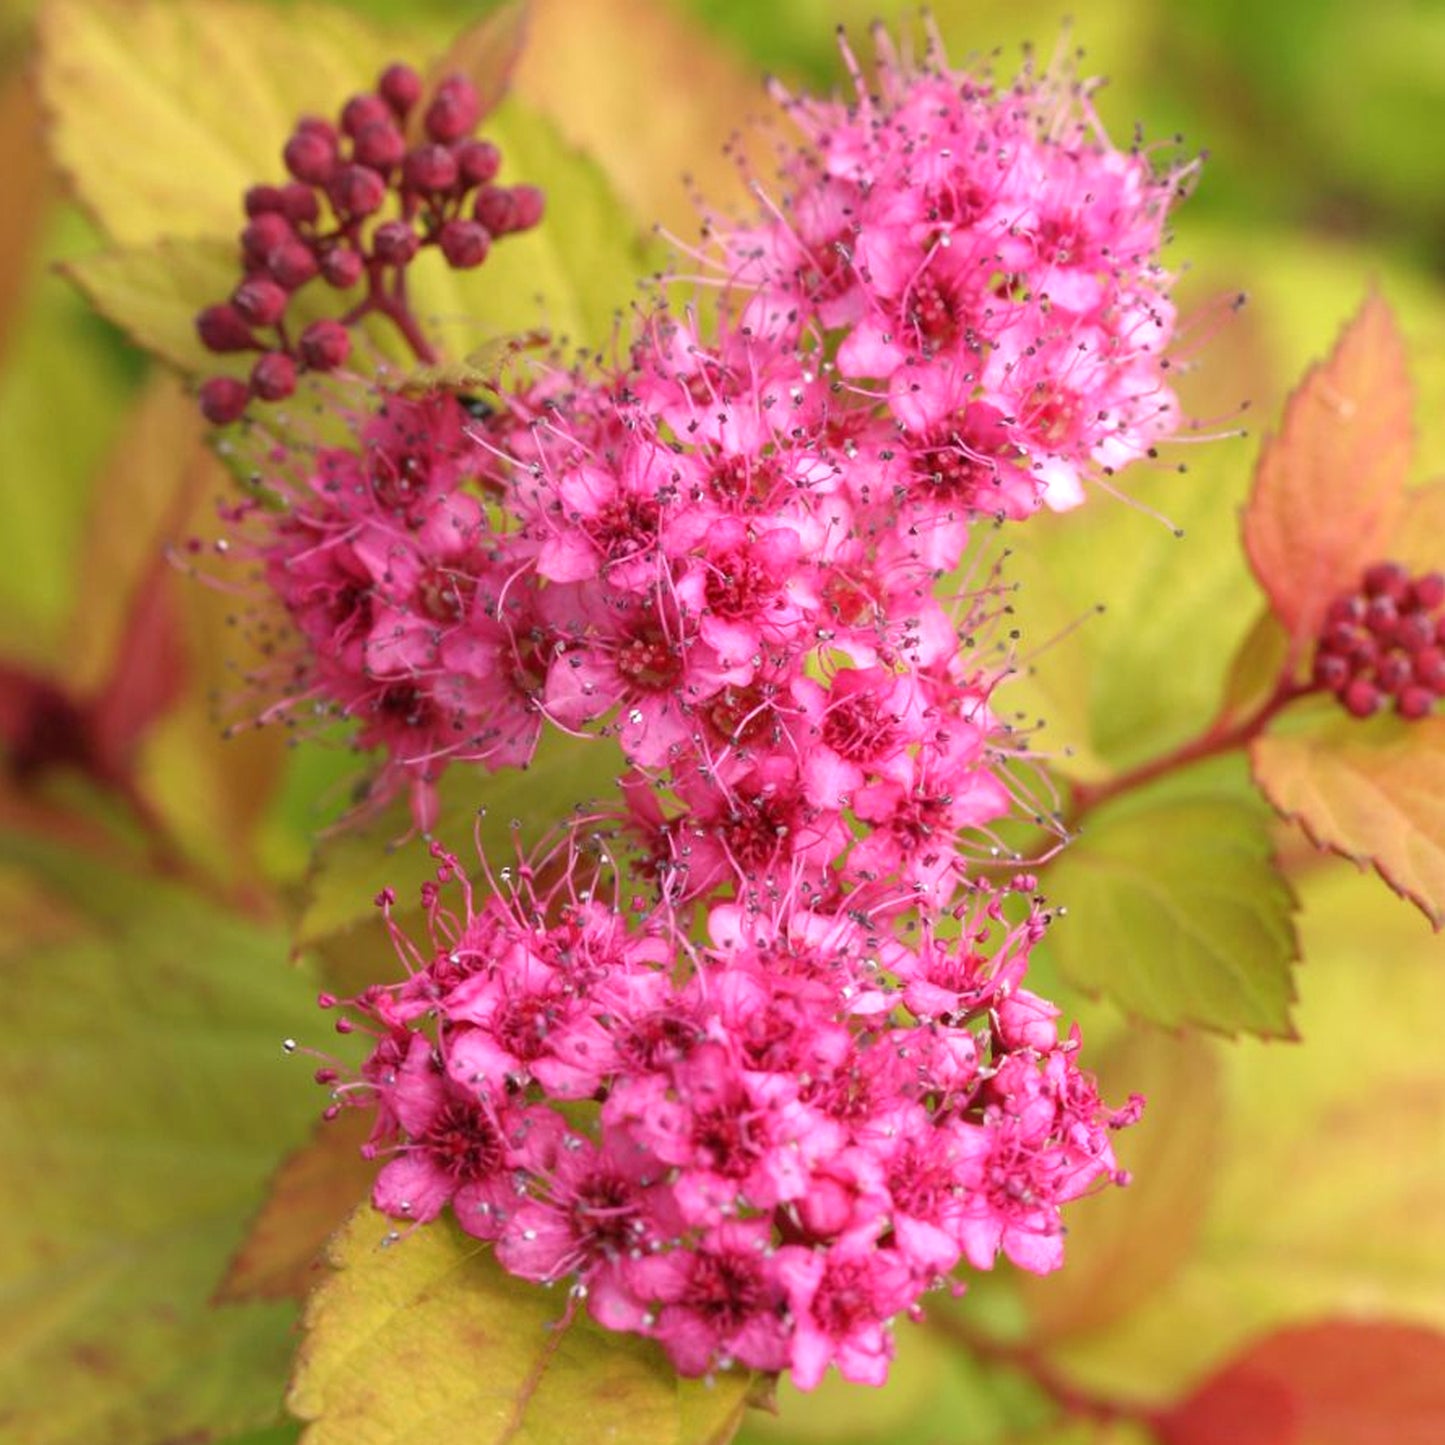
<point x="145" y="930"/>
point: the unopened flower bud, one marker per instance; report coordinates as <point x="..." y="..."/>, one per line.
<point x="263" y="235"/>
<point x="400" y="87"/>
<point x="1387" y="579"/>
<point x="477" y="161"/>
<point x="395" y="243"/>
<point x="223" y="328"/>
<point x="464" y="244"/>
<point x="310" y="157"/>
<point x="261" y="199"/>
<point x="324" y="345"/>
<point x="1362" y="698"/>
<point x="342" y="267"/>
<point x="380" y="145"/>
<point x="260" y="301"/>
<point x="361" y="111"/>
<point x="292" y="263"/>
<point x="299" y="204"/>
<point x="429" y="168"/>
<point x="454" y="110"/>
<point x="273" y="378"/>
<point x="528" y="203"/>
<point x="495" y="209"/>
<point x="357" y="190"/>
<point x="1428" y="592"/>
<point x="223" y="399"/>
<point x="1414" y="702"/>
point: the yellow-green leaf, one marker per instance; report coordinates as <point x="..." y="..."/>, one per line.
<point x="144" y="1096"/>
<point x="163" y="114"/>
<point x="426" y="1338"/>
<point x="1173" y="909"/>
<point x="1373" y="792"/>
<point x="1328" y="489"/>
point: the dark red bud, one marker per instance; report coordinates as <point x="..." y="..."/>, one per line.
<point x="400" y="87"/>
<point x="357" y="191"/>
<point x="342" y="268"/>
<point x="223" y="399"/>
<point x="223" y="328"/>
<point x="1387" y="579"/>
<point x="1382" y="616"/>
<point x="264" y="234"/>
<point x="1393" y="671"/>
<point x="454" y="110"/>
<point x="1429" y="668"/>
<point x="324" y="345"/>
<point x="1362" y="697"/>
<point x="477" y="161"/>
<point x="379" y="145"/>
<point x="464" y="243"/>
<point x="395" y="243"/>
<point x="1331" y="671"/>
<point x="299" y="204"/>
<point x="273" y="378"/>
<point x="495" y="209"/>
<point x="316" y="125"/>
<point x="1415" y="630"/>
<point x="293" y="264"/>
<point x="310" y="157"/>
<point x="261" y="199"/>
<point x="1414" y="703"/>
<point x="529" y="203"/>
<point x="1428" y="592"/>
<point x="361" y="111"/>
<point x="260" y="301"/>
<point x="430" y="168"/>
<point x="1350" y="608"/>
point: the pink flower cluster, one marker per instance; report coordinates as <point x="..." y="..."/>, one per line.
<point x="758" y="1148"/>
<point x="792" y="1080"/>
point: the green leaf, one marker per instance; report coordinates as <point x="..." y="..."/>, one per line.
<point x="1329" y="1162"/>
<point x="163" y="114"/>
<point x="143" y="1097"/>
<point x="503" y="811"/>
<point x="1175" y="911"/>
<point x="428" y="1338"/>
<point x="1373" y="792"/>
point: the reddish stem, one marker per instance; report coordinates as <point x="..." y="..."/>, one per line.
<point x="1223" y="735"/>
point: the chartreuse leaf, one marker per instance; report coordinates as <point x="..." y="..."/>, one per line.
<point x="502" y="811"/>
<point x="162" y="114"/>
<point x="570" y="275"/>
<point x="1173" y="908"/>
<point x="1324" y="1178"/>
<point x="1371" y="791"/>
<point x="1340" y="1382"/>
<point x="1328" y="489"/>
<point x="143" y="1098"/>
<point x="29" y="187"/>
<point x="429" y="1339"/>
<point x="581" y="67"/>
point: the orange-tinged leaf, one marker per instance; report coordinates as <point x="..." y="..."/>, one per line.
<point x="162" y="114"/>
<point x="1329" y="487"/>
<point x="311" y="1196"/>
<point x="28" y="192"/>
<point x="485" y="53"/>
<point x="1373" y="792"/>
<point x="426" y="1338"/>
<point x="1339" y="1382"/>
<point x="1124" y="1245"/>
<point x="648" y="93"/>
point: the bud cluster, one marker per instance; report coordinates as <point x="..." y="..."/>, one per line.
<point x="366" y="194"/>
<point x="1385" y="642"/>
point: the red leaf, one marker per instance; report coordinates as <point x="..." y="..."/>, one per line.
<point x="1329" y="489"/>
<point x="1336" y="1383"/>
